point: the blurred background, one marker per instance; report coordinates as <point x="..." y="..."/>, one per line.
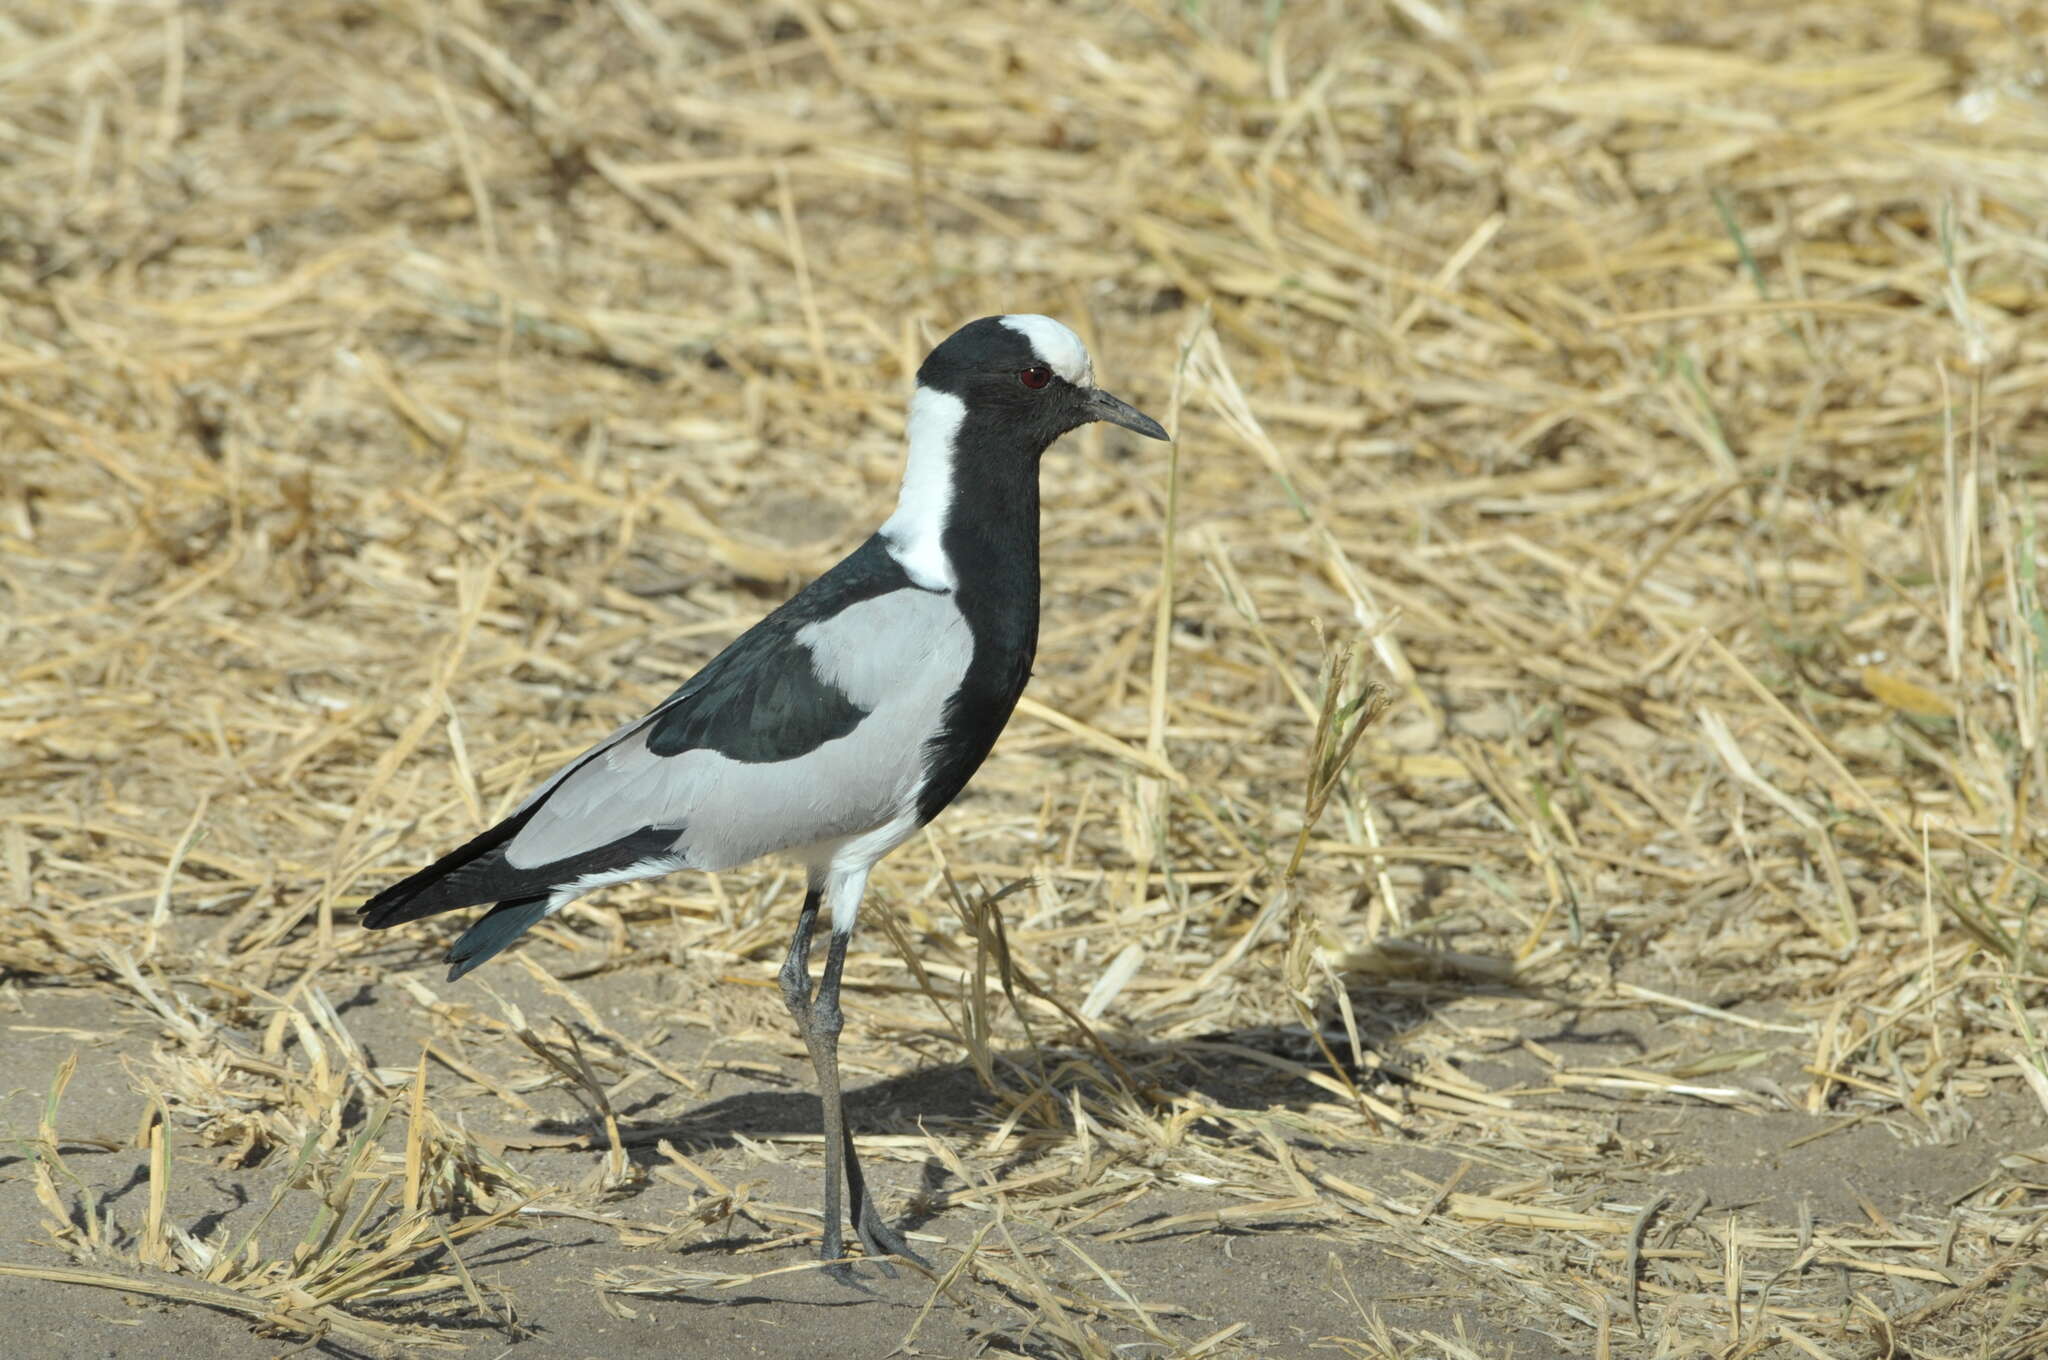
<point x="1647" y="397"/>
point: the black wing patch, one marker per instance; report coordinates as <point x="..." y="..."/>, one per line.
<point x="761" y="700"/>
<point x="770" y="704"/>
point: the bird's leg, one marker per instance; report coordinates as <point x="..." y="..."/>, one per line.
<point x="796" y="994"/>
<point x="821" y="1035"/>
<point x="818" y="1020"/>
<point x="796" y="968"/>
<point x="876" y="1236"/>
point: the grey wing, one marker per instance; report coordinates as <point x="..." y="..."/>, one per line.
<point x="812" y="727"/>
<point x="819" y="737"/>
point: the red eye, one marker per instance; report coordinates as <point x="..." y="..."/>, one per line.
<point x="1035" y="377"/>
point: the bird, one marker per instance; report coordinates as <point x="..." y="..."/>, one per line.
<point x="834" y="728"/>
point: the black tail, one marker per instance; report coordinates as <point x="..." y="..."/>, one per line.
<point x="468" y="876"/>
<point x="477" y="873"/>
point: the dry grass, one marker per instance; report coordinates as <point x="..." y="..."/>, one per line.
<point x="393" y="396"/>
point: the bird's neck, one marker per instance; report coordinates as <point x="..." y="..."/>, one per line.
<point x="991" y="541"/>
<point x="966" y="520"/>
<point x="967" y="523"/>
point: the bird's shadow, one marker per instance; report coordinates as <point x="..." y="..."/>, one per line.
<point x="1251" y="1069"/>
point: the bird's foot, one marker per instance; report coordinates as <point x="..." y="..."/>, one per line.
<point x="878" y="1241"/>
<point x="832" y="1251"/>
<point x="841" y="1272"/>
<point x="881" y="1240"/>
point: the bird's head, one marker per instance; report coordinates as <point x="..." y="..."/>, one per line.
<point x="1028" y="376"/>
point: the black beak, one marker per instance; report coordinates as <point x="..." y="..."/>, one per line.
<point x="1099" y="405"/>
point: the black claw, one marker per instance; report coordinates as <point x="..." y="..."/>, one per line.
<point x="879" y="1255"/>
<point x="879" y="1240"/>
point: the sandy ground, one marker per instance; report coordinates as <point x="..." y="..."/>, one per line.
<point x="1291" y="1286"/>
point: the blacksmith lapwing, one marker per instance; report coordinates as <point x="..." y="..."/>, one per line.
<point x="834" y="728"/>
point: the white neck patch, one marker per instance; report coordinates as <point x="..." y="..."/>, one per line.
<point x="915" y="532"/>
<point x="1058" y="348"/>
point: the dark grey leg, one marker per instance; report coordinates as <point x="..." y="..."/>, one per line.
<point x="796" y="968"/>
<point x="876" y="1236"/>
<point x="818" y="1020"/>
<point x="796" y="994"/>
